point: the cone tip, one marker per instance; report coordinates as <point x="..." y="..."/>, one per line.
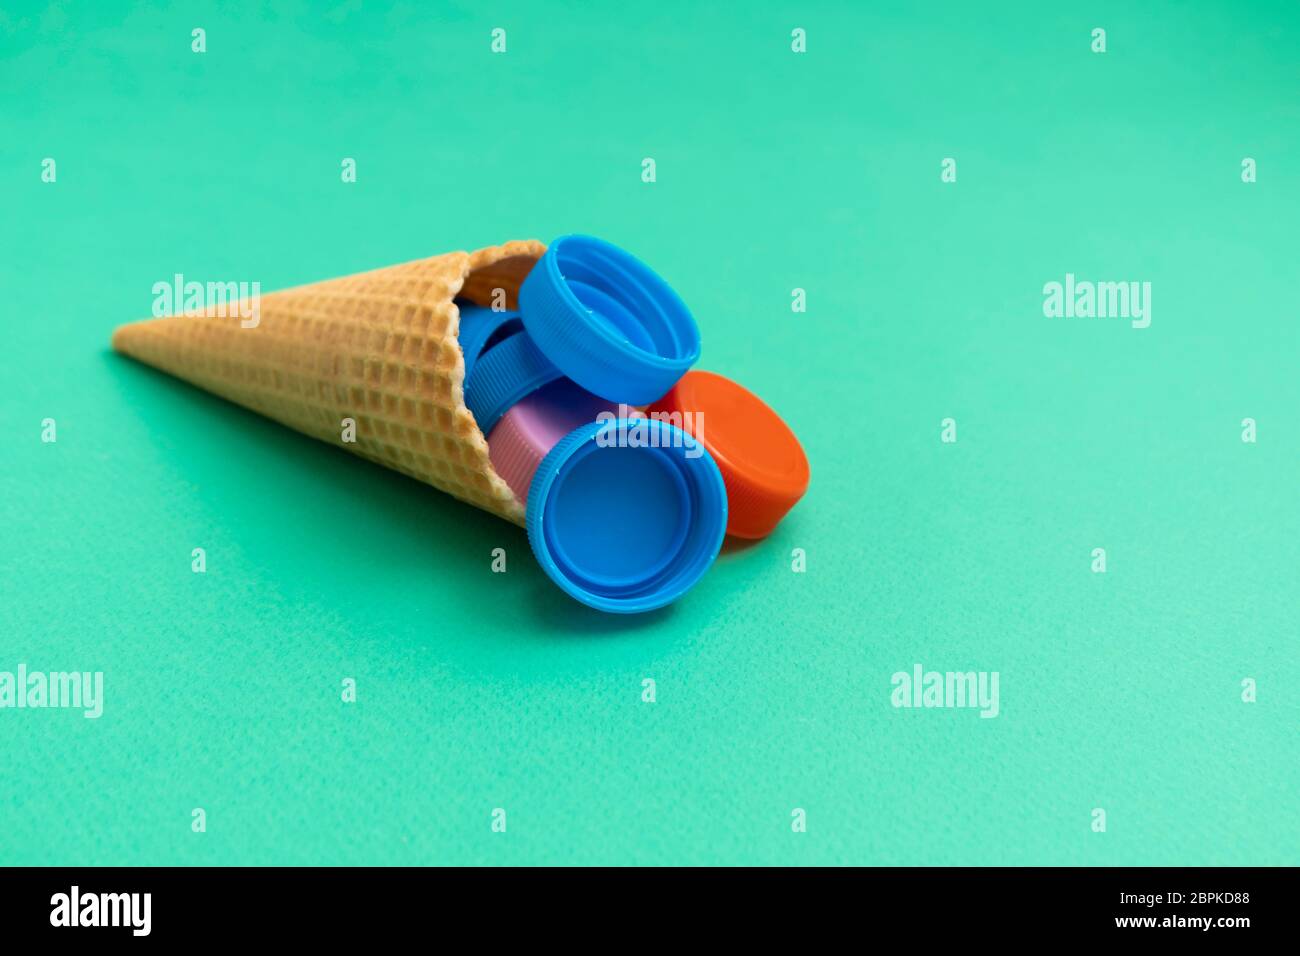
<point x="121" y="338"/>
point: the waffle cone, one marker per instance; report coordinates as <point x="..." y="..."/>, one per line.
<point x="377" y="347"/>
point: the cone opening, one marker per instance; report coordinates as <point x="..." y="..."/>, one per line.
<point x="492" y="280"/>
<point x="507" y="274"/>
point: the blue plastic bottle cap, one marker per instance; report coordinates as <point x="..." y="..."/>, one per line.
<point x="626" y="515"/>
<point x="607" y="321"/>
<point x="479" y="326"/>
<point x="506" y="373"/>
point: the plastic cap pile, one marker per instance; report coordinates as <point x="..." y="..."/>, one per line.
<point x="632" y="466"/>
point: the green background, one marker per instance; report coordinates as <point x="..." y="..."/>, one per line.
<point x="775" y="171"/>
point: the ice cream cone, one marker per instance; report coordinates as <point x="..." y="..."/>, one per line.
<point x="379" y="348"/>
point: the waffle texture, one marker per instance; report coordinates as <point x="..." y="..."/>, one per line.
<point x="378" y="347"/>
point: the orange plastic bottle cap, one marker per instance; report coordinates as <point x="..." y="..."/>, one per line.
<point x="762" y="463"/>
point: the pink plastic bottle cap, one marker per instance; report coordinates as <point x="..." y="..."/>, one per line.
<point x="534" y="425"/>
